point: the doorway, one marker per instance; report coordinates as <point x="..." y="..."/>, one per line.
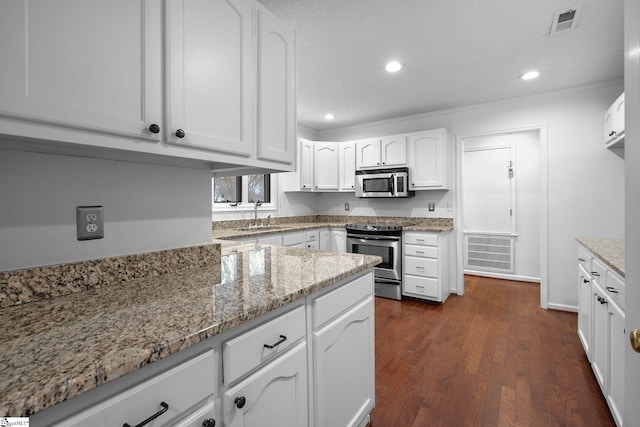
<point x="501" y="194"/>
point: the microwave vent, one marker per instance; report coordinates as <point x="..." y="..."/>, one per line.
<point x="565" y="20"/>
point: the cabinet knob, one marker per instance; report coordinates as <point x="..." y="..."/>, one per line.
<point x="240" y="401"/>
<point x="209" y="422"/>
<point x="180" y="133"/>
<point x="154" y="128"/>
<point x="585" y="280"/>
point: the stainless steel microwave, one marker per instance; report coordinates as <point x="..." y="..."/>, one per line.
<point x="383" y="183"/>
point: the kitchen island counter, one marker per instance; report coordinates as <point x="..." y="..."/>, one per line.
<point x="57" y="348"/>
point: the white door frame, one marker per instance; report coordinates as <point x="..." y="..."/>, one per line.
<point x="544" y="238"/>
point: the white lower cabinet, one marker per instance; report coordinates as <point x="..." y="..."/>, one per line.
<point x="333" y="239"/>
<point x="344" y="371"/>
<point x="425" y="266"/>
<point x="275" y="396"/>
<point x="601" y="328"/>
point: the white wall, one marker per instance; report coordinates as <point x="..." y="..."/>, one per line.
<point x="585" y="181"/>
<point x="146" y="207"/>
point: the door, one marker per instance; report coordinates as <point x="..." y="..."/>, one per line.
<point x="306" y="165"/>
<point x="210" y="74"/>
<point x="276" y="90"/>
<point x="489" y="191"/>
<point x="368" y="153"/>
<point x="344" y="368"/>
<point x="64" y="67"/>
<point x="275" y="396"/>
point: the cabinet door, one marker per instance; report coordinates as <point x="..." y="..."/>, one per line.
<point x="274" y="396"/>
<point x="325" y="240"/>
<point x="344" y="370"/>
<point x="325" y="166"/>
<point x="584" y="309"/>
<point x="618" y="107"/>
<point x="394" y="151"/>
<point x="427" y="160"/>
<point x="276" y="90"/>
<point x="209" y="75"/>
<point x="368" y="153"/>
<point x="347" y="161"/>
<point x="339" y="241"/>
<point x="618" y="339"/>
<point x="306" y="165"/>
<point x="609" y="124"/>
<point x="63" y="67"/>
<point x="600" y="336"/>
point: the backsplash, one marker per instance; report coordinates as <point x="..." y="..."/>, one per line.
<point x="34" y="284"/>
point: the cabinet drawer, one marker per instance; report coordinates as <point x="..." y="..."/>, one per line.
<point x="427" y="267"/>
<point x="311" y="236"/>
<point x="421" y="239"/>
<point x="292" y="239"/>
<point x="421" y="251"/>
<point x="248" y="351"/>
<point x="584" y="259"/>
<point x="180" y="388"/>
<point x="332" y="304"/>
<point x="615" y="289"/>
<point x="599" y="272"/>
<point x="425" y="286"/>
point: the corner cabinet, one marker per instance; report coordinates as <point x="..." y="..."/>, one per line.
<point x="139" y="85"/>
<point x="601" y="328"/>
<point x="614" y="126"/>
<point x="325" y="166"/>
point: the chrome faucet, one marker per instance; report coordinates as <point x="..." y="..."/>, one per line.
<point x="255" y="210"/>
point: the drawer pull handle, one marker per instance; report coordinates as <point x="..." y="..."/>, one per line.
<point x="595" y="273"/>
<point x="419" y="267"/>
<point x="240" y="401"/>
<point x="164" y="409"/>
<point x="612" y="289"/>
<point x="420" y="252"/>
<point x="419" y="240"/>
<point x="280" y="341"/>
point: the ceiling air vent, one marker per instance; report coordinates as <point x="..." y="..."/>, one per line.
<point x="565" y="20"/>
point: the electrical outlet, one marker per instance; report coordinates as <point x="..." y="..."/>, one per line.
<point x="449" y="206"/>
<point x="346" y="206"/>
<point x="432" y="206"/>
<point x="90" y="222"/>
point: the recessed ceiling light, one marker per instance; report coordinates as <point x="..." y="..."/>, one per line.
<point x="329" y="116"/>
<point x="393" y="66"/>
<point x="530" y="75"/>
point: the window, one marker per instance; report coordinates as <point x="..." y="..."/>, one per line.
<point x="243" y="191"/>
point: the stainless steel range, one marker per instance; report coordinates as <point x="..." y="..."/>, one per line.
<point x="384" y="241"/>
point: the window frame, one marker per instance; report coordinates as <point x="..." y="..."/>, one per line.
<point x="245" y="206"/>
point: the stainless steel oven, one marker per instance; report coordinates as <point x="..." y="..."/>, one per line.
<point x="384" y="241"/>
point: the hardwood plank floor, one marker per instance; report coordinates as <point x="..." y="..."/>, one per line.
<point x="492" y="357"/>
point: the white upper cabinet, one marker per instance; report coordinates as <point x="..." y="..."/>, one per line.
<point x="206" y="80"/>
<point x="381" y="152"/>
<point x="429" y="160"/>
<point x="276" y="90"/>
<point x="325" y="166"/>
<point x="306" y="165"/>
<point x="614" y="126"/>
<point x="393" y="150"/>
<point x="63" y="67"/>
<point x="347" y="164"/>
<point x="209" y="74"/>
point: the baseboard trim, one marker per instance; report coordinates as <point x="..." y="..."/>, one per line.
<point x="515" y="277"/>
<point x="562" y="307"/>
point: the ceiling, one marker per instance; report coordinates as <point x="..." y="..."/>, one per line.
<point x="455" y="53"/>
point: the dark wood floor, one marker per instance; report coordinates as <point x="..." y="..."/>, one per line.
<point x="492" y="357"/>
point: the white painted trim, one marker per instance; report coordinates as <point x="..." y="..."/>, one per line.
<point x="493" y="275"/>
<point x="562" y="307"/>
<point x="544" y="231"/>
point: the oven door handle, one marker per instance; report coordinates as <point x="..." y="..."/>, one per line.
<point x="364" y="240"/>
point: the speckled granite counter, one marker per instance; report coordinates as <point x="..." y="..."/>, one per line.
<point x="54" y="349"/>
<point x="609" y="251"/>
<point x="236" y="229"/>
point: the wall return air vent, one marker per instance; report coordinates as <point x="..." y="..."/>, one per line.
<point x="565" y="20"/>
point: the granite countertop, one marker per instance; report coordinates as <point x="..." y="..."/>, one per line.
<point x="237" y="229"/>
<point x="609" y="251"/>
<point x="59" y="347"/>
